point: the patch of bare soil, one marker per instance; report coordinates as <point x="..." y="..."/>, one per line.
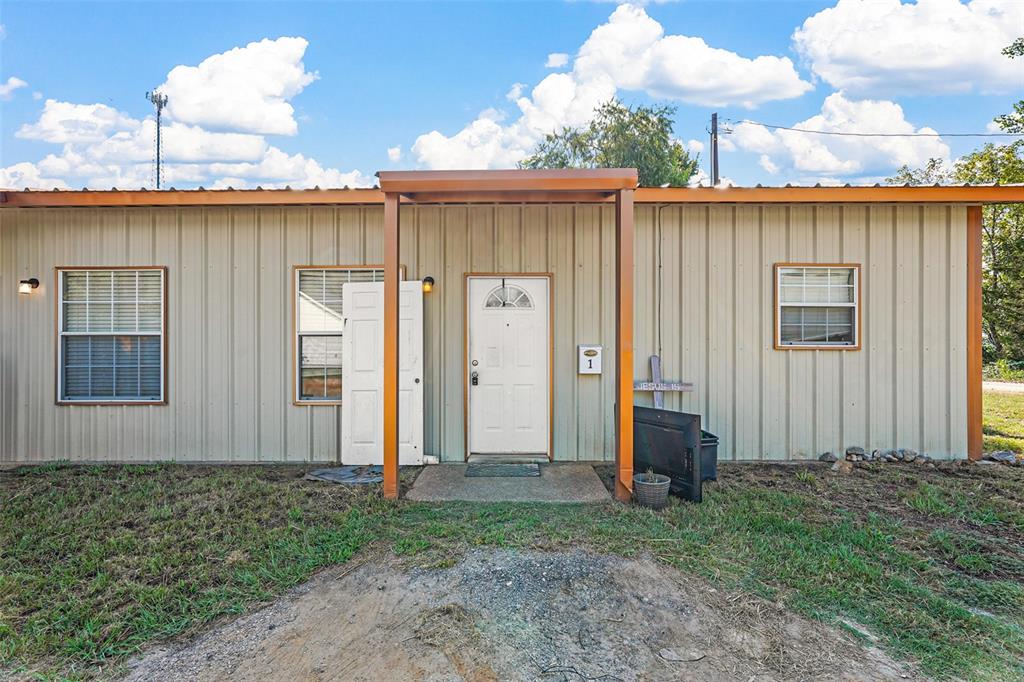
<point x="507" y="615"/>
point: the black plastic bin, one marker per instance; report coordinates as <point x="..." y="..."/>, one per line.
<point x="708" y="456"/>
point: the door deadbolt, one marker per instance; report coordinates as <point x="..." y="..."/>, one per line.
<point x="474" y="379"/>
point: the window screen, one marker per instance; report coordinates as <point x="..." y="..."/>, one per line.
<point x="318" y="325"/>
<point x="111" y="326"/>
<point x="817" y="306"/>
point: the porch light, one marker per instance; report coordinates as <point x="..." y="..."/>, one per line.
<point x="26" y="286"/>
<point x="428" y="284"/>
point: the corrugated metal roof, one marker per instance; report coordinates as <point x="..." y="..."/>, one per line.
<point x="790" y="193"/>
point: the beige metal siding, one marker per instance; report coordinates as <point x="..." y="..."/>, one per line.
<point x="704" y="298"/>
<point x="905" y="388"/>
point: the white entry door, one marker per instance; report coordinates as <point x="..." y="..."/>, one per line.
<point x="508" y="364"/>
<point x="362" y="373"/>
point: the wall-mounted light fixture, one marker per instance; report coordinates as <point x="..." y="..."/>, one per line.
<point x="428" y="284"/>
<point x="26" y="286"/>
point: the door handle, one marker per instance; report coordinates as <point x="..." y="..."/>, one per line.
<point x="474" y="379"/>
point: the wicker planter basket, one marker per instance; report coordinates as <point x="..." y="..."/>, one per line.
<point x="653" y="494"/>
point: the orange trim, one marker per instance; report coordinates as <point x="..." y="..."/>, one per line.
<point x="645" y="195"/>
<point x="165" y="360"/>
<point x="190" y="197"/>
<point x="778" y="307"/>
<point x="551" y="353"/>
<point x="624" y="345"/>
<point x="975" y="442"/>
<point x="296" y="400"/>
<point x="507" y="197"/>
<point x="821" y="195"/>
<point x="391" y="293"/>
<point x="555" y="180"/>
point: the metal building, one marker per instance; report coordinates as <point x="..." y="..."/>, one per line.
<point x="224" y="326"/>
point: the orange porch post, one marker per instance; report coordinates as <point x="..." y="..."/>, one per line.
<point x="624" y="345"/>
<point x="974" y="397"/>
<point x="391" y="232"/>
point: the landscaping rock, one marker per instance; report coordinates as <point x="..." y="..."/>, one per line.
<point x="855" y="450"/>
<point x="890" y="456"/>
<point x="909" y="455"/>
<point x="827" y="457"/>
<point x="1003" y="457"/>
<point x="842" y="467"/>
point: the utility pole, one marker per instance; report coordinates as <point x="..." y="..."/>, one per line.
<point x="159" y="102"/>
<point x="714" y="149"/>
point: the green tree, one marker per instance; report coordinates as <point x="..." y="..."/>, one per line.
<point x="621" y="137"/>
<point x="1014" y="121"/>
<point x="1002" y="227"/>
<point x="1003" y="247"/>
<point x="933" y="173"/>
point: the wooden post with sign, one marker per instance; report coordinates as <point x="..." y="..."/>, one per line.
<point x="657" y="386"/>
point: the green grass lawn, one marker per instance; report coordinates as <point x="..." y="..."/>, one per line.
<point x="99" y="561"/>
<point x="1003" y="421"/>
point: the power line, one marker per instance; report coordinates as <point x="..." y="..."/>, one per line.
<point x="842" y="134"/>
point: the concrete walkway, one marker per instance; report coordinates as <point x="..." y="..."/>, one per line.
<point x="1002" y="386"/>
<point x="567" y="482"/>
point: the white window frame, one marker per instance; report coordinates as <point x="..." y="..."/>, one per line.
<point x="855" y="305"/>
<point x="62" y="333"/>
<point x="297" y="398"/>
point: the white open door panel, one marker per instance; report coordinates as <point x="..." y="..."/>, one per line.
<point x="362" y="362"/>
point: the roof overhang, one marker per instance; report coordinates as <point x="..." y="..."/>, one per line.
<point x="600" y="182"/>
<point x="972" y="195"/>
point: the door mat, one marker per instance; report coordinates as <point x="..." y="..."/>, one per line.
<point x="348" y="474"/>
<point x="523" y="470"/>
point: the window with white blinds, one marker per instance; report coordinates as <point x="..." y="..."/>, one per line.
<point x="817" y="306"/>
<point x="318" y="329"/>
<point x="111" y="328"/>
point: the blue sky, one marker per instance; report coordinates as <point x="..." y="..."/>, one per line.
<point x="334" y="86"/>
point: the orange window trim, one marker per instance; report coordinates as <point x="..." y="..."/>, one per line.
<point x="296" y="400"/>
<point x="777" y="331"/>
<point x="165" y="359"/>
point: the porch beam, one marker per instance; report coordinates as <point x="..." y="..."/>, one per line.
<point x="391" y="274"/>
<point x="624" y="345"/>
<point x="544" y="180"/>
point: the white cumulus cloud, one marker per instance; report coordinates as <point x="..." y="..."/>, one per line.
<point x="279" y="169"/>
<point x="64" y="122"/>
<point x="556" y="60"/>
<point x="842" y="156"/>
<point x="887" y="47"/>
<point x="181" y="144"/>
<point x="629" y="52"/>
<point x="8" y="87"/>
<point x="395" y="154"/>
<point x="245" y="89"/>
<point x="214" y="134"/>
<point x="633" y="50"/>
<point x="28" y="175"/>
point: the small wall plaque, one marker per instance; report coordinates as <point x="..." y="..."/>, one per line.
<point x="590" y="359"/>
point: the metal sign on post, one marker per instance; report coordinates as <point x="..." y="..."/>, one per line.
<point x="658" y="386"/>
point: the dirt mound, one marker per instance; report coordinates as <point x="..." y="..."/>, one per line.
<point x="505" y="615"/>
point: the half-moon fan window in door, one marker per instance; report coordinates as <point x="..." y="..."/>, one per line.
<point x="508" y="296"/>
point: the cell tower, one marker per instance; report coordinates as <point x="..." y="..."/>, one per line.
<point x="159" y="102"/>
